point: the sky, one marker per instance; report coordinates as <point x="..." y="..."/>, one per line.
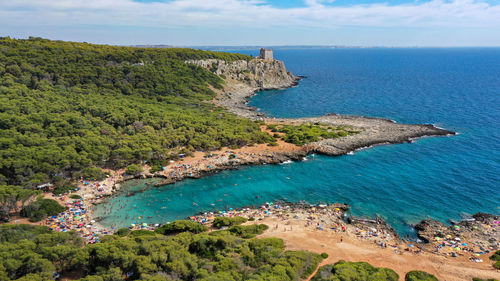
<point x="393" y="23"/>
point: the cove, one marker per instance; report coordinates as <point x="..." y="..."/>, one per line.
<point x="439" y="178"/>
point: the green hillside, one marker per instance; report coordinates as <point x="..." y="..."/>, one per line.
<point x="67" y="107"/>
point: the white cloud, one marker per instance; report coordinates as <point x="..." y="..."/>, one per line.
<point x="247" y="14"/>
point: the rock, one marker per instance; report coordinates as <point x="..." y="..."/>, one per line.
<point x="476" y="232"/>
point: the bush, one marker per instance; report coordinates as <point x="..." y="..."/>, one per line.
<point x="75" y="196"/>
<point x="63" y="186"/>
<point x="93" y="173"/>
<point x="359" y="271"/>
<point x="324" y="255"/>
<point x="248" y="231"/>
<point x="141" y="232"/>
<point x="155" y="169"/>
<point x="41" y="209"/>
<point x="417" y="275"/>
<point x="181" y="226"/>
<point x="225" y="221"/>
<point x="495" y="256"/>
<point x="497" y="265"/>
<point x="479" y="279"/>
<point x="122" y="232"/>
<point x="133" y="170"/>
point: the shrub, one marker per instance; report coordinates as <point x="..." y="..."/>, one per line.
<point x="497" y="265"/>
<point x="272" y="143"/>
<point x="417" y="275"/>
<point x="495" y="256"/>
<point x="155" y="169"/>
<point x="141" y="232"/>
<point x="479" y="279"/>
<point x="41" y="209"/>
<point x="133" y="169"/>
<point x="324" y="255"/>
<point x="93" y="173"/>
<point x="181" y="226"/>
<point x="63" y="186"/>
<point x="75" y="196"/>
<point x="122" y="232"/>
<point x="248" y="231"/>
<point x="359" y="271"/>
<point x="225" y="221"/>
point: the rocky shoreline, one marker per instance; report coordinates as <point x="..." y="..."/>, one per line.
<point x="475" y="238"/>
<point x="244" y="78"/>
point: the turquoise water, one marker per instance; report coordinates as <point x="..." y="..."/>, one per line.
<point x="441" y="178"/>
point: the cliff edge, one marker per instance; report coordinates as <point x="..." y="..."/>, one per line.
<point x="244" y="78"/>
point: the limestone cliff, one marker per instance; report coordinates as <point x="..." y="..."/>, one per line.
<point x="243" y="78"/>
<point x="258" y="74"/>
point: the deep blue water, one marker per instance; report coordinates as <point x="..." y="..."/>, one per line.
<point x="441" y="178"/>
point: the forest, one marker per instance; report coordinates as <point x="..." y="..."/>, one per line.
<point x="67" y="109"/>
<point x="181" y="250"/>
<point x="37" y="253"/>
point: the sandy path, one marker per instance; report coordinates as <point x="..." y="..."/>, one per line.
<point x="354" y="249"/>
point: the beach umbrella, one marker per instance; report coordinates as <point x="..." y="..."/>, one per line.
<point x="132" y="224"/>
<point x="464" y="244"/>
<point x="411" y="246"/>
<point x="144" y="224"/>
<point x="92" y="221"/>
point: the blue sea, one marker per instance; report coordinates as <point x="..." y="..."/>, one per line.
<point x="440" y="177"/>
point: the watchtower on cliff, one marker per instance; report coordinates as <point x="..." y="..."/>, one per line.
<point x="266" y="54"/>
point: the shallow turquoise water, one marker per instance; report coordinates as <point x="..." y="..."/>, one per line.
<point x="446" y="177"/>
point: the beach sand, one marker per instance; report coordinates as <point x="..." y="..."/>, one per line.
<point x="354" y="249"/>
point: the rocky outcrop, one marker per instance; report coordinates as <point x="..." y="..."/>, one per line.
<point x="257" y="74"/>
<point x="370" y="132"/>
<point x="480" y="230"/>
<point x="244" y="78"/>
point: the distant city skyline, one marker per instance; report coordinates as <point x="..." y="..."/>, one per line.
<point x="391" y="23"/>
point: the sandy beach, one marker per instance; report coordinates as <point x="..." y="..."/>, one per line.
<point x="324" y="229"/>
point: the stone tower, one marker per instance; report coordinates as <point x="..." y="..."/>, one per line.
<point x="266" y="54"/>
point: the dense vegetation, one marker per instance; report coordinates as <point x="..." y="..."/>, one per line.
<point x="417" y="275"/>
<point x="35" y="253"/>
<point x="359" y="271"/>
<point x="496" y="257"/>
<point x="13" y="196"/>
<point x="226" y="221"/>
<point x="304" y="133"/>
<point x="42" y="208"/>
<point x="68" y="108"/>
<point x="181" y="226"/>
